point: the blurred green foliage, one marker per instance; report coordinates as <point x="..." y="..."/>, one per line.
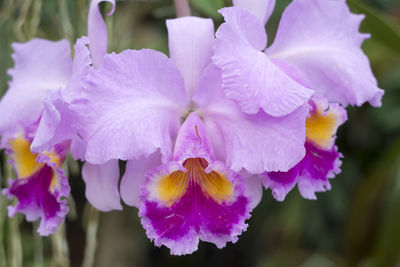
<point x="357" y="223"/>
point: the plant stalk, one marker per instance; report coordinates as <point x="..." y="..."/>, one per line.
<point x="182" y="8"/>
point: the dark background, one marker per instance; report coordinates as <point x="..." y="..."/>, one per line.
<point x="357" y="223"/>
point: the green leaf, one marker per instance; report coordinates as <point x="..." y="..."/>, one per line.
<point x="208" y="7"/>
<point x="382" y="28"/>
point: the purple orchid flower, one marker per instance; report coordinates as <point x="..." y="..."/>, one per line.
<point x="44" y="73"/>
<point x="189" y="147"/>
<point x="63" y="119"/>
<point x="41" y="186"/>
<point x="318" y="45"/>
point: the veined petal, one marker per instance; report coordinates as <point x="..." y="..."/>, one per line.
<point x="40" y="66"/>
<point x="134" y="177"/>
<point x="97" y="31"/>
<point x="136" y="99"/>
<point x="249" y="77"/>
<point x="262" y="9"/>
<point x="60" y="120"/>
<point x="321" y="38"/>
<point x="190" y="44"/>
<point x="243" y="28"/>
<point x="258" y="142"/>
<point x="198" y="199"/>
<point x="41" y="185"/>
<point x="102" y="185"/>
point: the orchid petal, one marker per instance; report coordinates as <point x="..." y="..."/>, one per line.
<point x="134" y="177"/>
<point x="40" y="66"/>
<point x="190" y="43"/>
<point x="97" y="31"/>
<point x="60" y="121"/>
<point x="102" y="185"/>
<point x="262" y="9"/>
<point x="260" y="142"/>
<point x="256" y="142"/>
<point x="249" y="77"/>
<point x="254" y="188"/>
<point x="321" y="38"/>
<point x="137" y="100"/>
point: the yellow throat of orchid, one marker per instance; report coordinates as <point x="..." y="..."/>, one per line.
<point x="321" y="128"/>
<point x="214" y="184"/>
<point x="25" y="161"/>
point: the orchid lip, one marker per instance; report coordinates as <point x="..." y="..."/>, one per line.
<point x="40" y="185"/>
<point x="182" y="204"/>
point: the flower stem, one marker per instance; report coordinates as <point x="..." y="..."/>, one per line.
<point x="60" y="252"/>
<point x="15" y="252"/>
<point x="182" y="8"/>
<point x="68" y="30"/>
<point x="3" y="218"/>
<point x="21" y="21"/>
<point x="14" y="236"/>
<point x="91" y="236"/>
<point x="38" y="257"/>
<point x="35" y="20"/>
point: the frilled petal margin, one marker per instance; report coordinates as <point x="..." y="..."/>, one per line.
<point x="322" y="39"/>
<point x="311" y="174"/>
<point x="40" y="65"/>
<point x="138" y="99"/>
<point x="198" y="199"/>
<point x="249" y="77"/>
<point x="61" y="119"/>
